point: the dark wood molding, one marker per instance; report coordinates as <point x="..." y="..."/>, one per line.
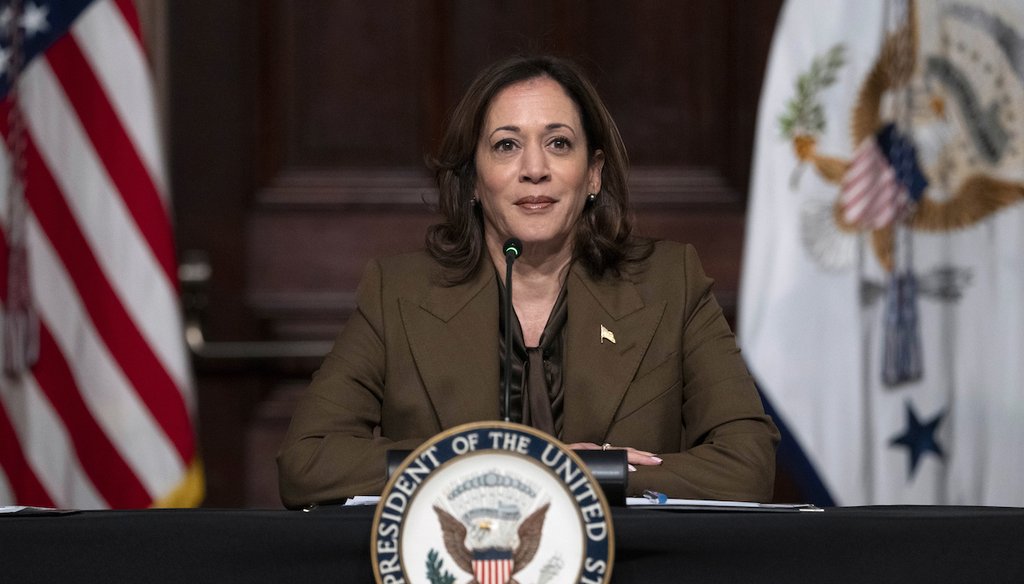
<point x="343" y="189"/>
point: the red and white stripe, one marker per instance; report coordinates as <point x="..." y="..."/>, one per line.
<point x="104" y="419"/>
<point x="871" y="197"/>
<point x="492" y="571"/>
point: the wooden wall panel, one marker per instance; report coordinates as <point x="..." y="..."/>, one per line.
<point x="351" y="81"/>
<point x="299" y="131"/>
<point x="663" y="79"/>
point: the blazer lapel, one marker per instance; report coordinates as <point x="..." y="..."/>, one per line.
<point x="453" y="336"/>
<point x="598" y="371"/>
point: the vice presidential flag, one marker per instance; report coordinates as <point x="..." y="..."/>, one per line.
<point x="882" y="292"/>
<point x="96" y="398"/>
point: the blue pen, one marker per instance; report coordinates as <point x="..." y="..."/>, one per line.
<point x="659" y="498"/>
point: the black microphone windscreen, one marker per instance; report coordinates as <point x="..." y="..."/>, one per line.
<point x="512" y="248"/>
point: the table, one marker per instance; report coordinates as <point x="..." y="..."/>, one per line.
<point x="855" y="544"/>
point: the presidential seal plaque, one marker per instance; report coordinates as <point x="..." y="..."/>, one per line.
<point x="492" y="503"/>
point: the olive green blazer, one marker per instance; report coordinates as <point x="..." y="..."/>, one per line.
<point x="418" y="357"/>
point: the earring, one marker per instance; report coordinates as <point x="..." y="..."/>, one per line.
<point x="474" y="202"/>
<point x="591" y="198"/>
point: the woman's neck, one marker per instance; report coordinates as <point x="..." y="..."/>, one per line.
<point x="537" y="268"/>
<point x="537" y="281"/>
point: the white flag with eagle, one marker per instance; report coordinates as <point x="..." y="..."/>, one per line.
<point x="882" y="293"/>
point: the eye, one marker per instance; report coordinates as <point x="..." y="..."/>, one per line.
<point x="561" y="143"/>
<point x="504" y="146"/>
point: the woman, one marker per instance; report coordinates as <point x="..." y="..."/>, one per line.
<point x="618" y="341"/>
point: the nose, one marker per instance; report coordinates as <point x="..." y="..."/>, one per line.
<point x="534" y="165"/>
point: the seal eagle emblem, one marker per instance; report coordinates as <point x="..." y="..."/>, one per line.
<point x="483" y="544"/>
<point x="492" y="503"/>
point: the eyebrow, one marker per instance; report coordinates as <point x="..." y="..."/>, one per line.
<point x="549" y="127"/>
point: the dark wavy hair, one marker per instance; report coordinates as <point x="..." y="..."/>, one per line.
<point x="603" y="241"/>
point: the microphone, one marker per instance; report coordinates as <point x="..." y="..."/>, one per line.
<point x="512" y="248"/>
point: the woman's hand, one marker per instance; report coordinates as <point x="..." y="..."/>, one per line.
<point x="633" y="456"/>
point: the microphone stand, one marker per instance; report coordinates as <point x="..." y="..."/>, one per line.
<point x="512" y="248"/>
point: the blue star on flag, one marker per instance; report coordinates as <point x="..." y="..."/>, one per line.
<point x="919" y="438"/>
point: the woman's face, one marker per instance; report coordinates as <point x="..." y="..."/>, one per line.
<point x="533" y="170"/>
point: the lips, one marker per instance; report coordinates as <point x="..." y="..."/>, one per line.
<point x="535" y="203"/>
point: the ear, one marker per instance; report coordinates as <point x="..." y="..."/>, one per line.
<point x="596" y="166"/>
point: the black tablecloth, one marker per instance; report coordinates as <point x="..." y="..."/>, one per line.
<point x="857" y="544"/>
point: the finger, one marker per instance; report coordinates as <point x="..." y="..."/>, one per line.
<point x="642" y="459"/>
<point x="637" y="451"/>
<point x="584" y="446"/>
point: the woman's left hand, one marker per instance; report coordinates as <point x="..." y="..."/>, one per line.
<point x="633" y="456"/>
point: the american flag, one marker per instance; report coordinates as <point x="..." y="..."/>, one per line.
<point x="871" y="197"/>
<point x="96" y="398"/>
<point x="883" y="182"/>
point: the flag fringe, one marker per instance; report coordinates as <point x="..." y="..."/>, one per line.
<point x="190" y="492"/>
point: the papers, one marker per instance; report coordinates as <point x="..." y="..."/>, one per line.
<point x="362" y="500"/>
<point x="11" y="509"/>
<point x="27" y="510"/>
<point x="662" y="502"/>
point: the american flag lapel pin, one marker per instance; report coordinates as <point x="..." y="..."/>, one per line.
<point x="607" y="334"/>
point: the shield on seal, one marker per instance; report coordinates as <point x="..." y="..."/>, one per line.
<point x="492" y="566"/>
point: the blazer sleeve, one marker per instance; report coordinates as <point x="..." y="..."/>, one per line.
<point x="727" y="445"/>
<point x="333" y="450"/>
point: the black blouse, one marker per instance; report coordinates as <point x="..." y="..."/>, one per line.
<point x="535" y="366"/>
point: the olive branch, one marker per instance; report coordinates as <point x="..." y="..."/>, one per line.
<point x="435" y="569"/>
<point x="804" y="114"/>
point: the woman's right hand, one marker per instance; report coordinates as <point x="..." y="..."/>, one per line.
<point x="633" y="455"/>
